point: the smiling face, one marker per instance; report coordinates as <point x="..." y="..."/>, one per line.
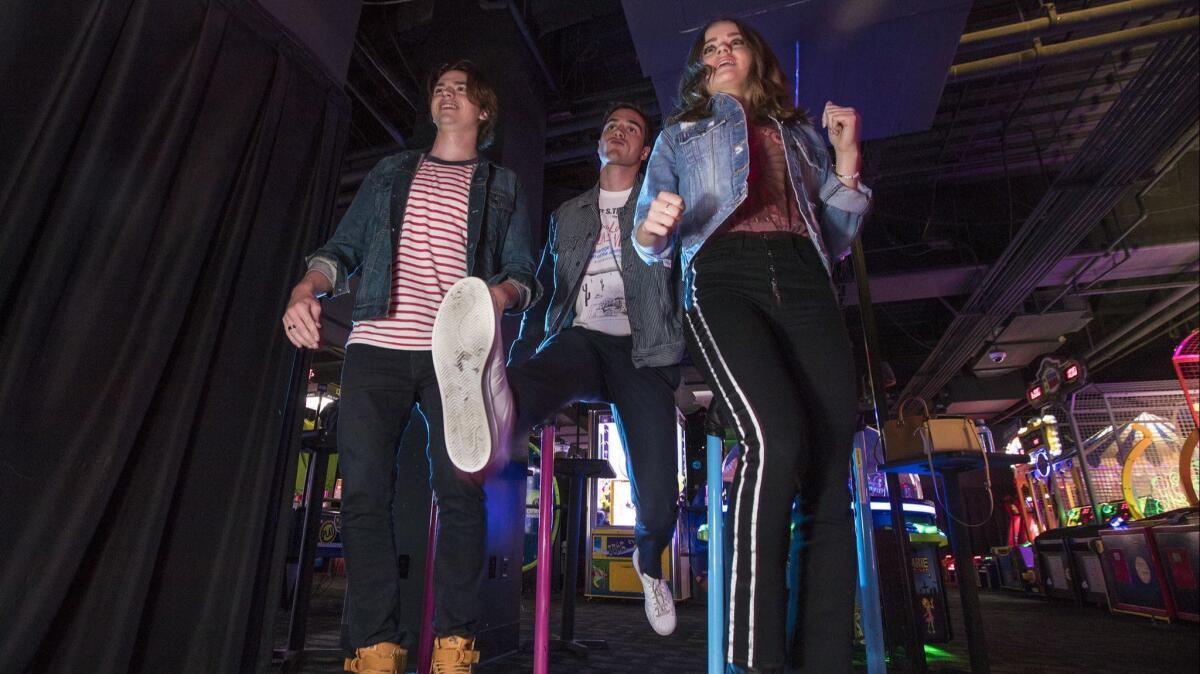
<point x="728" y="58"/>
<point x="451" y="107"/>
<point x="623" y="139"/>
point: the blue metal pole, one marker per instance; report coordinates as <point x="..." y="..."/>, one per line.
<point x="716" y="559"/>
<point x="868" y="570"/>
<point x="793" y="574"/>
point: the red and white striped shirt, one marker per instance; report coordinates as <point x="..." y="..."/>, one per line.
<point x="431" y="257"/>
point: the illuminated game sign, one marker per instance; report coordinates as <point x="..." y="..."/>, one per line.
<point x="1055" y="378"/>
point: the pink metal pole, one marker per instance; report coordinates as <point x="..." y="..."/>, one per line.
<point x="541" y="625"/>
<point x="425" y="649"/>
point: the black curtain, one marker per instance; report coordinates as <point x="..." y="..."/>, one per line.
<point x="164" y="166"/>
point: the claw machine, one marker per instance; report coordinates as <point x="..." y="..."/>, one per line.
<point x="611" y="518"/>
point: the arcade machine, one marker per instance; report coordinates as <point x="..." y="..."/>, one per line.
<point x="925" y="539"/>
<point x="1153" y="565"/>
<point x="318" y="446"/>
<point x="1035" y="490"/>
<point x="1179" y="543"/>
<point x="1187" y="370"/>
<point x="1138" y="467"/>
<point x="1063" y="487"/>
<point x="611" y="518"/>
<point x="1014" y="561"/>
<point x="533" y="495"/>
<point x="1053" y="489"/>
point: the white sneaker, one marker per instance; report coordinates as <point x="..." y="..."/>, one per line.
<point x="660" y="605"/>
<point x="477" y="405"/>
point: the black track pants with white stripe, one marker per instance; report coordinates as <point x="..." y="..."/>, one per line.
<point x="766" y="330"/>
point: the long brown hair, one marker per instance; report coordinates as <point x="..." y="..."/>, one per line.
<point x="766" y="90"/>
<point x="479" y="91"/>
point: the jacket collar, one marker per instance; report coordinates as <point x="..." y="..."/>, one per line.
<point x="591" y="200"/>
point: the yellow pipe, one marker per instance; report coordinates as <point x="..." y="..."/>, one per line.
<point x="1035" y="27"/>
<point x="1040" y="52"/>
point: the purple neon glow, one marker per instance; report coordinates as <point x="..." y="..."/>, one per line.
<point x="541" y="614"/>
<point x="425" y="649"/>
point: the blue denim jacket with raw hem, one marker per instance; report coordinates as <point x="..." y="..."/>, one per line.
<point x="706" y="163"/>
<point x="498" y="234"/>
<point x="651" y="292"/>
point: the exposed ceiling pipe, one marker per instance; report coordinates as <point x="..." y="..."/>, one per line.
<point x="1183" y="146"/>
<point x="1132" y="342"/>
<point x="529" y="41"/>
<point x="1140" y="288"/>
<point x="1164" y="304"/>
<point x="1040" y="53"/>
<point x="1053" y="21"/>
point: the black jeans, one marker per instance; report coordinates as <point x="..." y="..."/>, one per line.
<point x="585" y="365"/>
<point x="766" y="330"/>
<point x="379" y="390"/>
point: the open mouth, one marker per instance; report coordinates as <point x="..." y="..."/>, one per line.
<point x="723" y="63"/>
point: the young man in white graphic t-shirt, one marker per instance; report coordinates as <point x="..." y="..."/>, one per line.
<point x="608" y="331"/>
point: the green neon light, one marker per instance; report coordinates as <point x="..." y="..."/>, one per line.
<point x="935" y="654"/>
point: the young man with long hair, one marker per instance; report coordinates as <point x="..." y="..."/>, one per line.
<point x="420" y="222"/>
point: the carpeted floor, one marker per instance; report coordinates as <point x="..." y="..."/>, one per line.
<point x="1025" y="634"/>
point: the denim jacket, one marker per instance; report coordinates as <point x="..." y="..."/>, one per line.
<point x="651" y="292"/>
<point x="366" y="238"/>
<point x="707" y="164"/>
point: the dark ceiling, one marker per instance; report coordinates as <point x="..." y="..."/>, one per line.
<point x="951" y="199"/>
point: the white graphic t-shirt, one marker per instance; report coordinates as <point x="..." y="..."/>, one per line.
<point x="600" y="304"/>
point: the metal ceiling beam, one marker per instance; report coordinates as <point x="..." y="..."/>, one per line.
<point x="530" y="43"/>
<point x="1143" y="262"/>
<point x="377" y="114"/>
<point x="1153" y="112"/>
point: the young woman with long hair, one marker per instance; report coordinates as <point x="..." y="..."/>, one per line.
<point x="742" y="193"/>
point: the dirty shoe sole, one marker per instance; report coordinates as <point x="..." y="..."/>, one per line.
<point x="463" y="333"/>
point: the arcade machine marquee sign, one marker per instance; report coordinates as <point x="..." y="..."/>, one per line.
<point x="1055" y="379"/>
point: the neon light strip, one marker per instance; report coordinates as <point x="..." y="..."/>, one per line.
<point x="908" y="507"/>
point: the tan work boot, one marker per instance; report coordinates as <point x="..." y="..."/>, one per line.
<point x="454" y="655"/>
<point x="382" y="658"/>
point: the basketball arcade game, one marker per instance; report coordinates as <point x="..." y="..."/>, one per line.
<point x="1153" y="565"/>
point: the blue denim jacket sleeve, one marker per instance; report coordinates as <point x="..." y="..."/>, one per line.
<point x="516" y="254"/>
<point x="533" y="323"/>
<point x="660" y="177"/>
<point x="341" y="256"/>
<point x="841" y="209"/>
